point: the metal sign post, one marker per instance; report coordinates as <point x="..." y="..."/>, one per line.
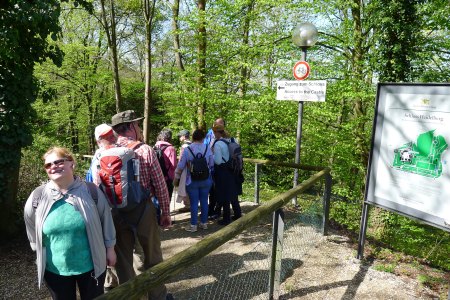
<point x="277" y="254"/>
<point x="299" y="134"/>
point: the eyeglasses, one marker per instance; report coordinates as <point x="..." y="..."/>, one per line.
<point x="57" y="163"/>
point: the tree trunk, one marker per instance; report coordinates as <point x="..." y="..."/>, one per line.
<point x="245" y="42"/>
<point x="110" y="30"/>
<point x="149" y="11"/>
<point x="358" y="74"/>
<point x="201" y="63"/>
<point x="244" y="69"/>
<point x="89" y="100"/>
<point x="176" y="35"/>
<point x="9" y="187"/>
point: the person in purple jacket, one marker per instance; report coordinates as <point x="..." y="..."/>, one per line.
<point x="197" y="189"/>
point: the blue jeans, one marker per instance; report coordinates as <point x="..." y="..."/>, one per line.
<point x="198" y="192"/>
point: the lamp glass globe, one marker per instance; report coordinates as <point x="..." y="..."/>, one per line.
<point x="305" y="35"/>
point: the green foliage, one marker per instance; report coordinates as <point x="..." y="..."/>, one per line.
<point x="24" y="27"/>
<point x="346" y="213"/>
<point x="388" y="268"/>
<point x="413" y="238"/>
<point x="429" y="281"/>
<point x="249" y="48"/>
<point x="396" y="25"/>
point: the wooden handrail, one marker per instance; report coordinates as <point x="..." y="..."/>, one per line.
<point x="284" y="164"/>
<point x="161" y="273"/>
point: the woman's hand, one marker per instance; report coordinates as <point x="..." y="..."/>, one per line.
<point x="111" y="257"/>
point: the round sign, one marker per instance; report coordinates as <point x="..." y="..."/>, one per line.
<point x="301" y="70"/>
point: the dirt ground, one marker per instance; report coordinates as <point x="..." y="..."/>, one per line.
<point x="327" y="270"/>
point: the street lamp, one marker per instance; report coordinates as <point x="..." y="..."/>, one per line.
<point x="305" y="36"/>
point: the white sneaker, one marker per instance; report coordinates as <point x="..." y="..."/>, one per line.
<point x="203" y="226"/>
<point x="191" y="228"/>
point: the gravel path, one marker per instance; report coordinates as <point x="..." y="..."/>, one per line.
<point x="324" y="268"/>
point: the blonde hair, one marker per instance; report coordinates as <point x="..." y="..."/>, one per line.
<point x="223" y="133"/>
<point x="61" y="152"/>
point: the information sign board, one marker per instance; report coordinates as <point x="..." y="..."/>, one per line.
<point x="307" y="90"/>
<point x="409" y="170"/>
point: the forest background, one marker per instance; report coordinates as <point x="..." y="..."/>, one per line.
<point x="66" y="67"/>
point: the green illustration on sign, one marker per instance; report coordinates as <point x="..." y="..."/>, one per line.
<point x="423" y="157"/>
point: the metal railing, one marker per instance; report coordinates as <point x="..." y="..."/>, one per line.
<point x="176" y="264"/>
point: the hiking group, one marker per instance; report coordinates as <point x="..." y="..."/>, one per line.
<point x="103" y="232"/>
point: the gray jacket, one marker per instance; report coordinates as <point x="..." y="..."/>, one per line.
<point x="97" y="218"/>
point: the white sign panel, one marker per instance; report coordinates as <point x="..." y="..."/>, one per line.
<point x="409" y="169"/>
<point x="307" y="90"/>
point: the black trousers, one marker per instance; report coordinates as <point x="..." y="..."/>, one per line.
<point x="213" y="208"/>
<point x="64" y="287"/>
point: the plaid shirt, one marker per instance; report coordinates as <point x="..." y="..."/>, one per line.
<point x="151" y="176"/>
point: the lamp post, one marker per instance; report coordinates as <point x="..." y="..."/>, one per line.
<point x="305" y="36"/>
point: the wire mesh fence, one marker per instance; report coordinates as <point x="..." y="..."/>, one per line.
<point x="248" y="277"/>
<point x="240" y="269"/>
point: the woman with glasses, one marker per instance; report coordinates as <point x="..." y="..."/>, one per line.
<point x="70" y="227"/>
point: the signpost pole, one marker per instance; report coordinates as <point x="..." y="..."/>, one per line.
<point x="304" y="36"/>
<point x="299" y="135"/>
<point x="362" y="231"/>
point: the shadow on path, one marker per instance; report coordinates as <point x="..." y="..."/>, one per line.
<point x="350" y="292"/>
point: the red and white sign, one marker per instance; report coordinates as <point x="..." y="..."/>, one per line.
<point x="301" y="70"/>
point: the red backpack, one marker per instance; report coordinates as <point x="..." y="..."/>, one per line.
<point x="119" y="176"/>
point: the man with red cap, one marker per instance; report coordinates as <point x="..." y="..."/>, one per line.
<point x="104" y="136"/>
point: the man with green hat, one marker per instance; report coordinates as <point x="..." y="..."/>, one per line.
<point x="140" y="224"/>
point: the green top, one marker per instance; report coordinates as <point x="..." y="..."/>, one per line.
<point x="66" y="241"/>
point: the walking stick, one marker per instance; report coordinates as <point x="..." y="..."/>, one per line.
<point x="174" y="197"/>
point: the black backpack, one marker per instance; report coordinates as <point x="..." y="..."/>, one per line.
<point x="160" y="155"/>
<point x="198" y="166"/>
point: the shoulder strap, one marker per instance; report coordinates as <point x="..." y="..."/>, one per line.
<point x="227" y="143"/>
<point x="134" y="145"/>
<point x="37" y="194"/>
<point x="189" y="148"/>
<point x="206" y="149"/>
<point x="92" y="188"/>
<point x="161" y="147"/>
<point x="222" y="140"/>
